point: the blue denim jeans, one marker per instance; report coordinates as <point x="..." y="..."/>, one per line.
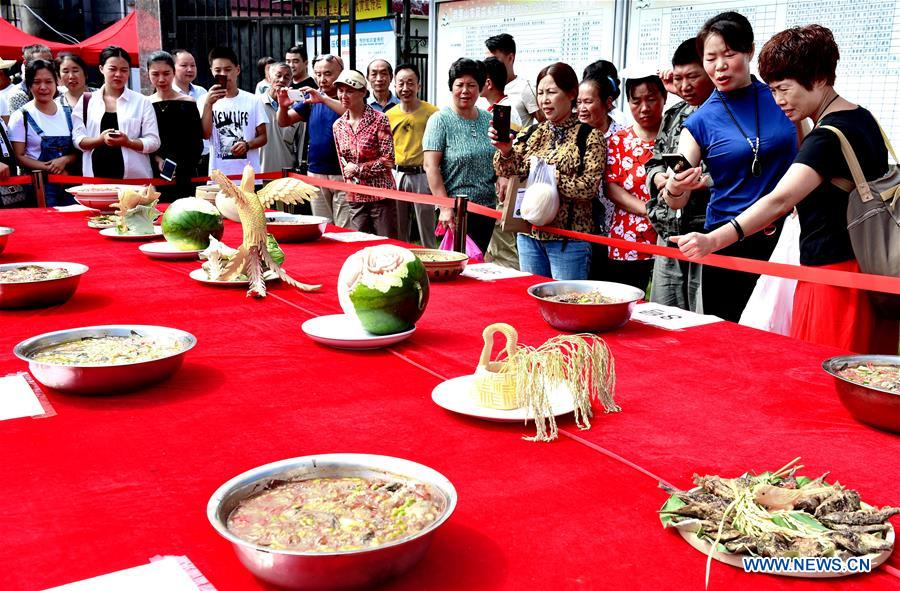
<point x="554" y="258"/>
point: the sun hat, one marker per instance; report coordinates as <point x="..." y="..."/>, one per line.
<point x="351" y="78"/>
<point x="6" y="64"/>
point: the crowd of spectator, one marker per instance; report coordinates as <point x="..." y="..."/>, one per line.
<point x="750" y="160"/>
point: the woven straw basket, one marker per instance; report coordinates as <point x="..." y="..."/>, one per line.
<point x="494" y="387"/>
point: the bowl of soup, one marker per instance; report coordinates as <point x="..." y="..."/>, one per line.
<point x="105" y="359"/>
<point x="585" y="306"/>
<point x="38" y="284"/>
<point x="332" y="521"/>
<point x="869" y="387"/>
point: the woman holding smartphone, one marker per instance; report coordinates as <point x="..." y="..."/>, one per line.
<point x="747" y="144"/>
<point x="180" y="129"/>
<point x="579" y="153"/>
<point x="120" y="130"/>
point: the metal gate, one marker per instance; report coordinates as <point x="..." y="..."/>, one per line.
<point x="252" y="28"/>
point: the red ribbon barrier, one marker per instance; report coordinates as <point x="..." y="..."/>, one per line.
<point x="879" y="283"/>
<point x="16" y="180"/>
<point x="64" y="179"/>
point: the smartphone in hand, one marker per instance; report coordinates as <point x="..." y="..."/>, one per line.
<point x="221" y="80"/>
<point x="502" y="114"/>
<point x="676" y="162"/>
<point x="168" y="169"/>
<point x="115" y="133"/>
<point x="296" y="95"/>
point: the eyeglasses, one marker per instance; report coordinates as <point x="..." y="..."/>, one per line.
<point x="328" y="57"/>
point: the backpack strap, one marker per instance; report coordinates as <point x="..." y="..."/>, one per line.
<point x="887" y="143"/>
<point x="859" y="179"/>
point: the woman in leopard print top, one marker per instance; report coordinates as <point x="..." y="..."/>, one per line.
<point x="578" y="175"/>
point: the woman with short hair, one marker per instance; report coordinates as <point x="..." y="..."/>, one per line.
<point x="579" y="153"/>
<point x="458" y="151"/>
<point x="747" y="144"/>
<point x="365" y="148"/>
<point x="41" y="131"/>
<point x="799" y="66"/>
<point x="120" y="131"/>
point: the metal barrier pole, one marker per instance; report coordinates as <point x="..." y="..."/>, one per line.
<point x="461" y="210"/>
<point x="286" y="171"/>
<point x="38" y="182"/>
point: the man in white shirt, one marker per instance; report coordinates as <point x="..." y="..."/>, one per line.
<point x="521" y="94"/>
<point x="233" y="120"/>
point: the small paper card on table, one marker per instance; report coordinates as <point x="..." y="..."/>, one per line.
<point x="352" y="236"/>
<point x="165" y="574"/>
<point x="491" y="272"/>
<point x="670" y="317"/>
<point x="71" y="208"/>
<point x="18" y="399"/>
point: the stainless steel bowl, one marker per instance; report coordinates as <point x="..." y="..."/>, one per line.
<point x="441" y="265"/>
<point x="103" y="379"/>
<point x="4" y="236"/>
<point x="319" y="571"/>
<point x="38" y="294"/>
<point x="287" y="227"/>
<point x="873" y="406"/>
<point x="585" y="317"/>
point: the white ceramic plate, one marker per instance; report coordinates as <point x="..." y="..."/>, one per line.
<point x="201" y="276"/>
<point x="343" y="332"/>
<point x="113" y="233"/>
<point x="456" y="395"/>
<point x="167" y="250"/>
<point x="687" y="528"/>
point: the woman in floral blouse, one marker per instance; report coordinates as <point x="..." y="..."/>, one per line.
<point x="365" y="148"/>
<point x="579" y="171"/>
<point x="626" y="178"/>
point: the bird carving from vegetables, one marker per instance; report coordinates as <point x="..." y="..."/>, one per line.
<point x="253" y="259"/>
<point x="136" y="210"/>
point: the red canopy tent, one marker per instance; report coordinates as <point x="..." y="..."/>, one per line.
<point x="122" y="33"/>
<point x="12" y="40"/>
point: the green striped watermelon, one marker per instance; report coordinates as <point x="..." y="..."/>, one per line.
<point x="385" y="287"/>
<point x="188" y="223"/>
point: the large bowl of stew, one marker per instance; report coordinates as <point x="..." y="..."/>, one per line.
<point x="105" y="359"/>
<point x="313" y="523"/>
<point x="38" y="284"/>
<point x="869" y="387"/>
<point x="585" y="306"/>
<point x="4" y="236"/>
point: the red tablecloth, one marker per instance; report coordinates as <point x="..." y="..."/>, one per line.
<point x="110" y="481"/>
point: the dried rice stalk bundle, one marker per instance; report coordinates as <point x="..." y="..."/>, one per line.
<point x="581" y="362"/>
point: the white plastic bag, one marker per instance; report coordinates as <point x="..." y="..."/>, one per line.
<point x="540" y="204"/>
<point x="771" y="304"/>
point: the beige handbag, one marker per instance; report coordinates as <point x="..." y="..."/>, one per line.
<point x="494" y="386"/>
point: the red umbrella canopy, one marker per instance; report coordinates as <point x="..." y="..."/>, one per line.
<point x="12" y="40"/>
<point x="122" y="33"/>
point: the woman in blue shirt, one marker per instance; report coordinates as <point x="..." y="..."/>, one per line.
<point x="747" y="144"/>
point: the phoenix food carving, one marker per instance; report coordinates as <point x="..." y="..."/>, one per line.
<point x="252" y="259"/>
